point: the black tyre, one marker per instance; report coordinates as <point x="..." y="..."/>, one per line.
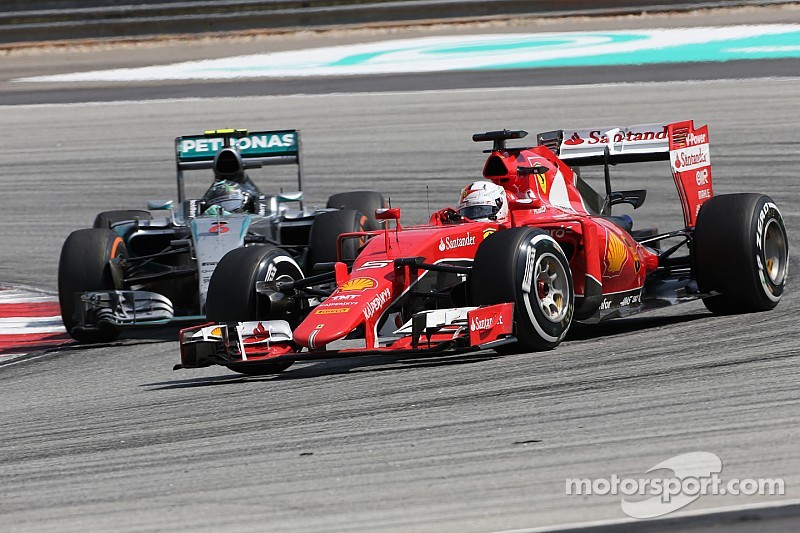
<point x="108" y="218"/>
<point x="232" y="295"/>
<point x="527" y="267"/>
<point x="365" y="202"/>
<point x="740" y="249"/>
<point x="84" y="266"/>
<point x="326" y="230"/>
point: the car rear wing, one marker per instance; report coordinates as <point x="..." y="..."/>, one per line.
<point x="260" y="148"/>
<point x="680" y="143"/>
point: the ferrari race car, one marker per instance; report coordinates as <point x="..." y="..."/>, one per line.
<point x="512" y="282"/>
<point x="131" y="270"/>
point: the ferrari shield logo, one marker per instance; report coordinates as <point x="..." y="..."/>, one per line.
<point x="542" y="182"/>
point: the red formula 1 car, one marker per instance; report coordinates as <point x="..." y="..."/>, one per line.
<point x="513" y="281"/>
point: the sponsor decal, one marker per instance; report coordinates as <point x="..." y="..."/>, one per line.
<point x="358" y="284"/>
<point x="332" y="311"/>
<point x="621" y="300"/>
<point x="447" y="243"/>
<point x="260" y="331"/>
<point x="482" y="324"/>
<point x="488" y="232"/>
<point x="615" y="256"/>
<point x="691" y="158"/>
<point x="599" y="137"/>
<point x="377" y="303"/>
<point x="540" y="210"/>
<point x="342" y="298"/>
<point x="256" y="142"/>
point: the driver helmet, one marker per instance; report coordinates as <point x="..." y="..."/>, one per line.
<point x="225" y="197"/>
<point x="483" y="200"/>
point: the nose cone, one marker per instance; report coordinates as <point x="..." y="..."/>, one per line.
<point x="360" y="300"/>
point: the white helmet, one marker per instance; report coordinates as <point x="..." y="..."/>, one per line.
<point x="483" y="200"/>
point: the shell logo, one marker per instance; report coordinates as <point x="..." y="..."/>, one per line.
<point x="616" y="255"/>
<point x="358" y="284"/>
<point x="488" y="232"/>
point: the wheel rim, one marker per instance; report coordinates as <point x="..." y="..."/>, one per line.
<point x="774" y="252"/>
<point x="551" y="287"/>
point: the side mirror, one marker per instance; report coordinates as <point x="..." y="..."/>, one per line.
<point x="519" y="204"/>
<point x="388" y="213"/>
<point x="160" y="205"/>
<point x="296" y="196"/>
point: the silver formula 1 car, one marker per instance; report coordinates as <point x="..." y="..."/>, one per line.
<point x="132" y="270"/>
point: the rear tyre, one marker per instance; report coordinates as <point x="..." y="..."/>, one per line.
<point x="325" y="232"/>
<point x="527" y="267"/>
<point x="232" y="295"/>
<point x="84" y="266"/>
<point x="106" y="219"/>
<point x="366" y="202"/>
<point x="740" y="250"/>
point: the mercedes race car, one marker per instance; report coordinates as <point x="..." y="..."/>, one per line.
<point x="131" y="270"/>
<point x="511" y="273"/>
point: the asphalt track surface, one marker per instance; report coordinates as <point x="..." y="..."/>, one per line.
<point x="109" y="438"/>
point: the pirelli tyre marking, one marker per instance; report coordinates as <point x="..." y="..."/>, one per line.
<point x="771" y="251"/>
<point x="545" y="281"/>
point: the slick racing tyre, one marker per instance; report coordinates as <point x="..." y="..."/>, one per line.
<point x="740" y="250"/>
<point x="232" y="295"/>
<point x="106" y="219"/>
<point x="326" y="230"/>
<point x="366" y="202"/>
<point x="84" y="266"/>
<point x="527" y="267"/>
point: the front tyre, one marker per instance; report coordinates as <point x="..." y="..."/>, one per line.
<point x="84" y="266"/>
<point x="527" y="267"/>
<point x="741" y="251"/>
<point x="232" y="295"/>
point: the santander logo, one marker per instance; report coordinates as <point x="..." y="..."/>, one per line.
<point x="447" y="243"/>
<point x="574" y="140"/>
<point x="482" y="324"/>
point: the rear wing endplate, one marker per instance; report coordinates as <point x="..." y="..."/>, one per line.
<point x="686" y="147"/>
<point x="260" y="148"/>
